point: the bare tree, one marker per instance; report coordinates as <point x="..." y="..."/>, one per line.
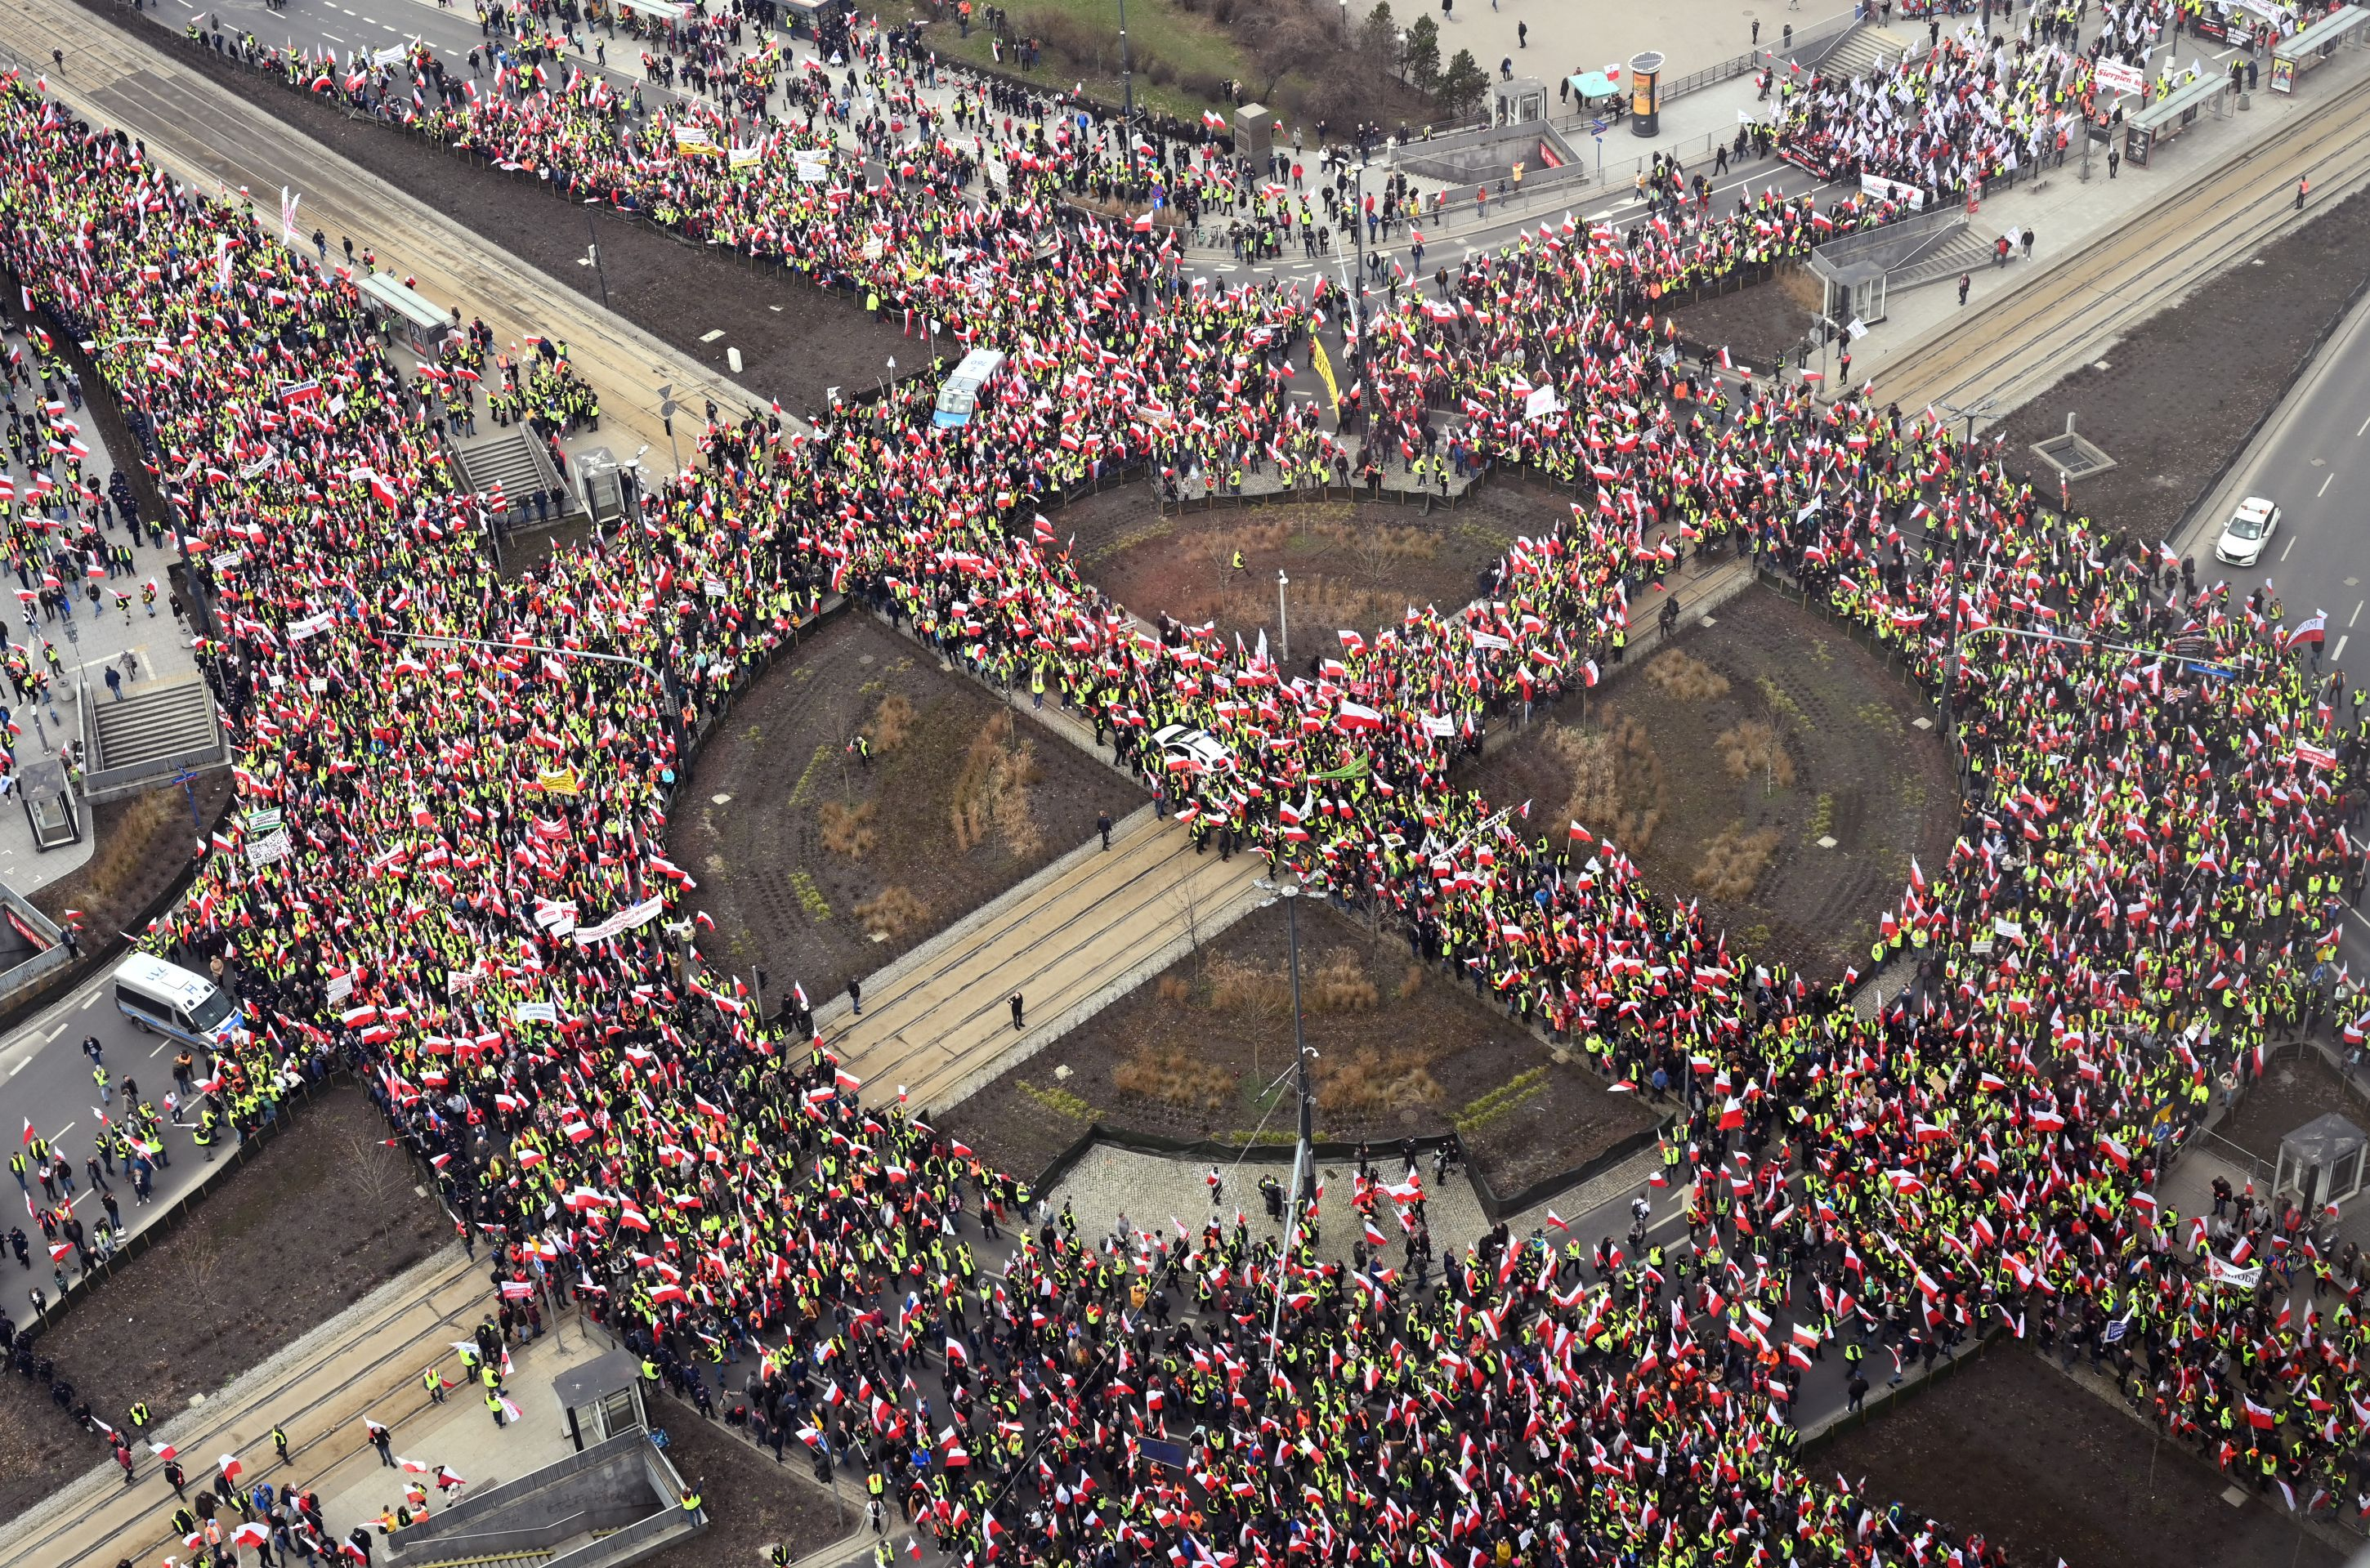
<point x="202" y="1256"/>
<point x="1189" y="909"/>
<point x="376" y="1171"/>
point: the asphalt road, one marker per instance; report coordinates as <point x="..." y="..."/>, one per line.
<point x="2313" y="459"/>
<point x="46" y="1078"/>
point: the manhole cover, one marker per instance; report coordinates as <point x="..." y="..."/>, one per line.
<point x="2073" y="456"/>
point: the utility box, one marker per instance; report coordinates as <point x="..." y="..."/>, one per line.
<point x="1254" y="132"/>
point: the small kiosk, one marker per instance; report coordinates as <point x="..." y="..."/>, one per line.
<point x="2322" y="1162"/>
<point x="600" y="1399"/>
<point x="49" y="802"/>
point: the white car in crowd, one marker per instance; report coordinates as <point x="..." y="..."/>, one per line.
<point x="2246" y="533"/>
<point x="1205" y="750"/>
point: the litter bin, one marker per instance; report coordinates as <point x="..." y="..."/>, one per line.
<point x="1646" y="94"/>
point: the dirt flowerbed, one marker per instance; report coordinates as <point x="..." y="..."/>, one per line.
<point x="752" y="1502"/>
<point x="1719" y="765"/>
<point x="1400" y="1051"/>
<point x="1758" y="325"/>
<point x="1351" y="564"/>
<point x="821" y="866"/>
<point x="676" y="291"/>
<point x="1354" y="564"/>
<point x="142" y="842"/>
<point x="2253" y="326"/>
<point x="325" y="1214"/>
<point x="2010" y="1447"/>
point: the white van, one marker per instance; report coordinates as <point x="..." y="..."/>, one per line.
<point x="960" y="395"/>
<point x="166" y="999"/>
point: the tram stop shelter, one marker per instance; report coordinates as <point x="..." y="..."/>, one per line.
<point x="2322" y="1162"/>
<point x="2293" y="56"/>
<point x="420" y="326"/>
<point x="2150" y="127"/>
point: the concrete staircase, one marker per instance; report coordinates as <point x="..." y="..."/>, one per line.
<point x="1858" y="51"/>
<point x="1072" y="940"/>
<point x="152" y="732"/>
<point x="508" y="456"/>
<point x="611" y="1505"/>
<point x="1963" y="250"/>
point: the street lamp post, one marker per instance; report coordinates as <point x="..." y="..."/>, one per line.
<point x="1127" y="93"/>
<point x="1303" y="1156"/>
<point x="593" y="251"/>
<point x="1957" y="532"/>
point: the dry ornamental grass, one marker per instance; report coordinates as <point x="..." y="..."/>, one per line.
<point x="1371" y="1080"/>
<point x="1340" y="985"/>
<point x="892" y="912"/>
<point x="1755" y="750"/>
<point x="1685" y="678"/>
<point x="892" y="723"/>
<point x="1733" y="862"/>
<point x="848" y="830"/>
<point x="992" y="790"/>
<point x="1616" y="780"/>
<point x="1175" y="1076"/>
<point x="1240" y="985"/>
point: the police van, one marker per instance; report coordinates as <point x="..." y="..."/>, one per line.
<point x="961" y="394"/>
<point x="165" y="999"/>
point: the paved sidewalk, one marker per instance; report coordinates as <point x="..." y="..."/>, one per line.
<point x="460" y="1433"/>
<point x="367" y="1360"/>
<point x="87" y="642"/>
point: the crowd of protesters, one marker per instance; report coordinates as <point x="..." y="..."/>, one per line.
<point x="479" y="906"/>
<point x="1986" y="102"/>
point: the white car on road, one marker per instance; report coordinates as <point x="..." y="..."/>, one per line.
<point x="2247" y="531"/>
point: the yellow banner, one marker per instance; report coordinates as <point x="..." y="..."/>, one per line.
<point x="1325" y="368"/>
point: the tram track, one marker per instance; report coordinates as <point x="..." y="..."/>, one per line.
<point x="2063" y="318"/>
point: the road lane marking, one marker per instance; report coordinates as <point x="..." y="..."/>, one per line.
<point x="2339" y="652"/>
<point x="2324" y="484"/>
<point x="2357" y="612"/>
<point x="2286" y="547"/>
<point x="55" y="1032"/>
<point x="333" y="38"/>
<point x="2365" y="426"/>
<point x="90" y="1001"/>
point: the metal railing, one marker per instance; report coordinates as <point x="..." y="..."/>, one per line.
<point x="1811" y="45"/>
<point x="51" y="958"/>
